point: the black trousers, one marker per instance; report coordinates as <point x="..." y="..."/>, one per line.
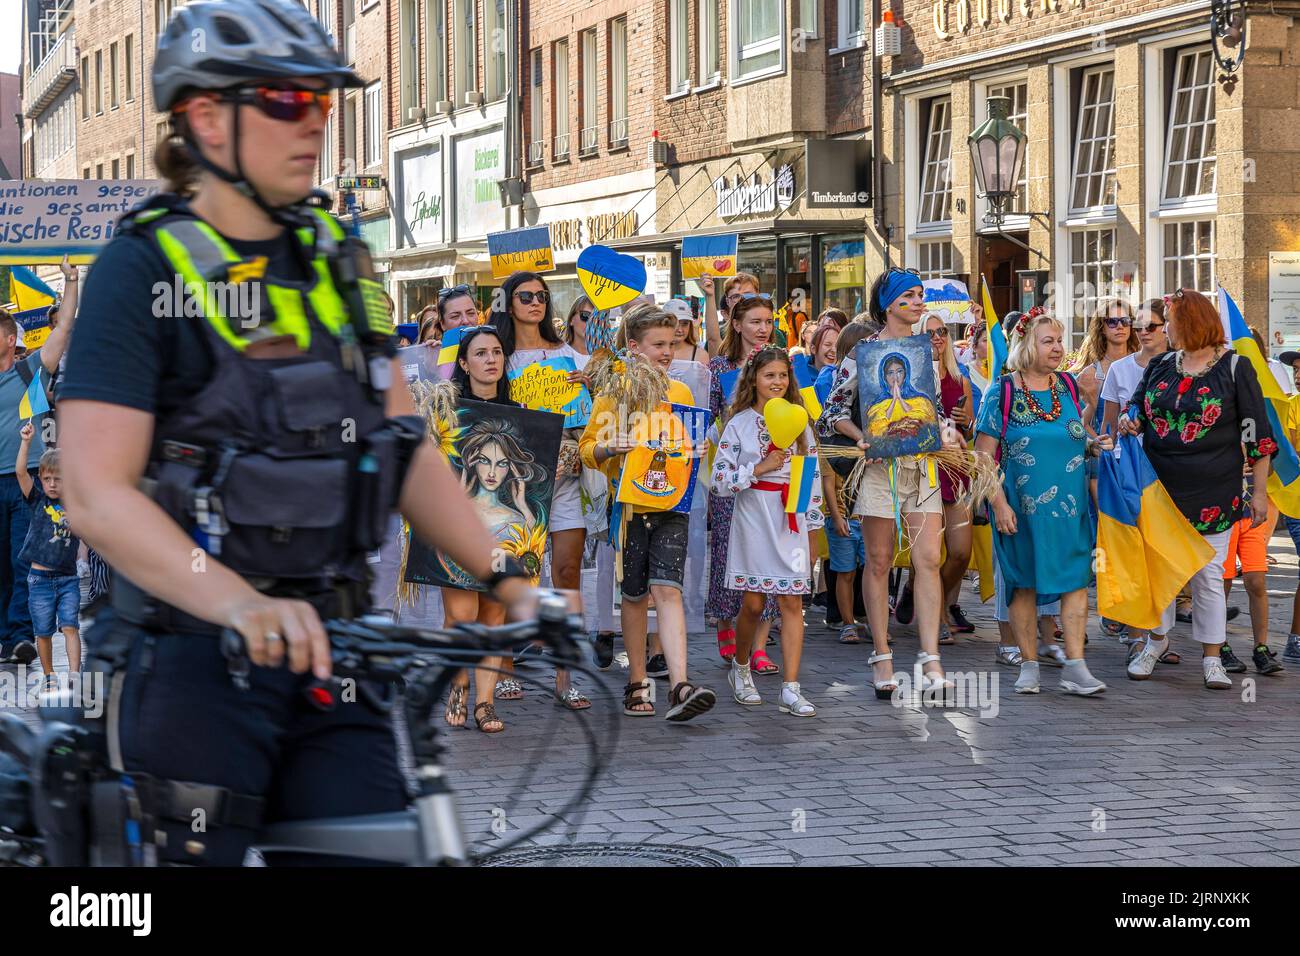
<point x="182" y="718"/>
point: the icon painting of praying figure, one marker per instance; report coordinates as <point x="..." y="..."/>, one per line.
<point x="896" y="391"/>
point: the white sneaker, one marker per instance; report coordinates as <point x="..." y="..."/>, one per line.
<point x="1077" y="679"/>
<point x="742" y="686"/>
<point x="1144" y="663"/>
<point x="1027" y="682"/>
<point x="795" y="703"/>
<point x="1216" y="678"/>
<point x="1053" y="655"/>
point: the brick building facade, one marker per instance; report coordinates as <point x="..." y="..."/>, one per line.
<point x="1151" y="174"/>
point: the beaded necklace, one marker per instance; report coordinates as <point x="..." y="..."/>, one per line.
<point x="1031" y="403"/>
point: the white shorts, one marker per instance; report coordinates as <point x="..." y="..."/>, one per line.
<point x="915" y="494"/>
<point x="566" y="505"/>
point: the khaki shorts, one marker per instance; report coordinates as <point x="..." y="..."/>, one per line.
<point x="915" y="494"/>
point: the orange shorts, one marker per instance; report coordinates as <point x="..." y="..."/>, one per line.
<point x="1249" y="545"/>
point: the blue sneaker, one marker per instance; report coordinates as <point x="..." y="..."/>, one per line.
<point x="1291" y="654"/>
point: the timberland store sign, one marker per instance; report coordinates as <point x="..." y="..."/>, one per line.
<point x="953" y="17"/>
<point x="752" y="196"/>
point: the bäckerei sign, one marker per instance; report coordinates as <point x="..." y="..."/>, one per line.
<point x="952" y="17"/>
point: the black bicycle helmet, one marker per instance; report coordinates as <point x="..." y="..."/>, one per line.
<point x="216" y="44"/>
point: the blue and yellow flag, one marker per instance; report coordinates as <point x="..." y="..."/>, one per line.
<point x="28" y="290"/>
<point x="33" y="402"/>
<point x="1146" y="549"/>
<point x="997" y="349"/>
<point x="450" y="347"/>
<point x="803" y="484"/>
<point x="1284" y="482"/>
<point x="709" y="256"/>
<point x="804" y="378"/>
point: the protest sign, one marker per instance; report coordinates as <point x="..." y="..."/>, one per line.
<point x="544" y="386"/>
<point x="515" y="250"/>
<point x="609" y="278"/>
<point x="896" y="388"/>
<point x="42" y="220"/>
<point x="709" y="256"/>
<point x="661" y="472"/>
<point x="947" y="298"/>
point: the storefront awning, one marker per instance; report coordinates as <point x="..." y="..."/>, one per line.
<point x="409" y="264"/>
<point x="668" y="242"/>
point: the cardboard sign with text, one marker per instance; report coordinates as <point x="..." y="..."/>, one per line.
<point x="516" y="250"/>
<point x="544" y="386"/>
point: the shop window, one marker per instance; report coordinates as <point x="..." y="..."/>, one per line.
<point x="1190" y="144"/>
<point x="1189" y="256"/>
<point x="936" y="181"/>
<point x="1093" y="182"/>
<point x="844" y="275"/>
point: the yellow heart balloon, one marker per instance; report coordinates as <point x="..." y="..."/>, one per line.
<point x="785" y="422"/>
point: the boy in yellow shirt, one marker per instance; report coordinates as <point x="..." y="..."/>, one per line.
<point x="653" y="543"/>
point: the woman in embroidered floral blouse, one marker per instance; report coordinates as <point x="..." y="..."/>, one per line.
<point x="1196" y="408"/>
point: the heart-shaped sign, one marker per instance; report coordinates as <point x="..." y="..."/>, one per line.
<point x="721" y="265"/>
<point x="785" y="422"/>
<point x="610" y="278"/>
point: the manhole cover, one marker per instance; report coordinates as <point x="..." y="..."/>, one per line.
<point x="613" y="854"/>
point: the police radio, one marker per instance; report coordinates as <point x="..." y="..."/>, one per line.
<point x="372" y="329"/>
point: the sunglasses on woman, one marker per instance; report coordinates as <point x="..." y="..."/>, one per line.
<point x="286" y="103"/>
<point x="584" y="316"/>
<point x="527" y="298"/>
<point x="456" y="290"/>
<point x="1116" y="322"/>
<point x="941" y="332"/>
<point x="1150" y="327"/>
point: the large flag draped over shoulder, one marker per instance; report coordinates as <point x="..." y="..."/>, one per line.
<point x="1284" y="482"/>
<point x="1146" y="549"/>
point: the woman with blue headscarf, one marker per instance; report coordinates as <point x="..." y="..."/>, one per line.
<point x="900" y="493"/>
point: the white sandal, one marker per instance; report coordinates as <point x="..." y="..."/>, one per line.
<point x="742" y="687"/>
<point x="884" y="688"/>
<point x="932" y="683"/>
<point x="801" y="706"/>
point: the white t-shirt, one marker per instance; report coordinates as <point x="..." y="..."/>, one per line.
<point x="1121" y="380"/>
<point x="1284" y="375"/>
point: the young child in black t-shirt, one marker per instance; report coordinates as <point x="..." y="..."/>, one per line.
<point x="53" y="591"/>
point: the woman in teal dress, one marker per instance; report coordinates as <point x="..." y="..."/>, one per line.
<point x="1044" y="537"/>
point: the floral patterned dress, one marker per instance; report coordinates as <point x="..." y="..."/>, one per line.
<point x="764" y="554"/>
<point x="1046" y="485"/>
<point x="1194" y="429"/>
<point x="723" y="603"/>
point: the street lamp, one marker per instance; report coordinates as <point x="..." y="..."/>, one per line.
<point x="998" y="151"/>
<point x="1227" y="21"/>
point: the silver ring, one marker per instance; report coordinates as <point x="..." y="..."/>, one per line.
<point x="272" y="636"/>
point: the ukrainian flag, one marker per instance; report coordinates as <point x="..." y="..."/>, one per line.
<point x="803" y="484"/>
<point x="29" y="291"/>
<point x="997" y="351"/>
<point x="804" y="377"/>
<point x="709" y="255"/>
<point x="1284" y="482"/>
<point x="34" y="402"/>
<point x="1146" y="549"/>
<point x="451" y="345"/>
<point x="516" y="250"/>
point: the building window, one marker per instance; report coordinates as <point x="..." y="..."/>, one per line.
<point x="1092" y="273"/>
<point x="350" y="126"/>
<point x="162" y="12"/>
<point x="853" y="24"/>
<point x="589" y="105"/>
<point x="130" y="166"/>
<point x="112" y="76"/>
<point x="934" y="259"/>
<point x="757" y="32"/>
<point x="115" y="169"/>
<point x="1094" y="144"/>
<point x="1018" y="94"/>
<point x="706" y="18"/>
<point x="99" y="170"/>
<point x="679" y="68"/>
<point x="374" y="125"/>
<point x="618" y="83"/>
<point x="325" y="14"/>
<point x="1190" y="148"/>
<point x="85" y="88"/>
<point x="99" y="84"/>
<point x="408" y="61"/>
<point x="494" y="48"/>
<point x="560" y="100"/>
<point x="466" y="68"/>
<point x="536" y="124"/>
<point x="85" y="172"/>
<point x="435" y="49"/>
<point x="128" y="66"/>
<point x="936" y="180"/>
<point x="1189" y="256"/>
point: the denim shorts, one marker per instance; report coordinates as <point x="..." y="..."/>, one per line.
<point x="1293" y="528"/>
<point x="54" y="601"/>
<point x="654" y="552"/>
<point x="846" y="554"/>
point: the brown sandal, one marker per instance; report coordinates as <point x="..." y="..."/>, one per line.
<point x="489" y="717"/>
<point x="633" y="695"/>
<point x="456" y="709"/>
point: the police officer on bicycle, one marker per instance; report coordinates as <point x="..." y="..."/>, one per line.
<point x="235" y="434"/>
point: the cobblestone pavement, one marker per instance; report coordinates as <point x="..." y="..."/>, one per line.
<point x="1157" y="773"/>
